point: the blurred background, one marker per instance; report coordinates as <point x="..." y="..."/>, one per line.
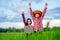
<point x="10" y="12"/>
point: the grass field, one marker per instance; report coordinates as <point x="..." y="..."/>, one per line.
<point x="46" y="34"/>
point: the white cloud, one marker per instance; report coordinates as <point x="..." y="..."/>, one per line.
<point x="55" y="22"/>
<point x="9" y="24"/>
<point x="52" y="23"/>
<point x="9" y="14"/>
<point x="10" y="4"/>
<point x="49" y="17"/>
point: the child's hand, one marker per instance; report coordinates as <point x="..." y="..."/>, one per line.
<point x="22" y="12"/>
<point x="29" y="5"/>
<point x="46" y="4"/>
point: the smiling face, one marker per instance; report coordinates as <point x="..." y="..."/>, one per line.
<point x="29" y="22"/>
<point x="37" y="15"/>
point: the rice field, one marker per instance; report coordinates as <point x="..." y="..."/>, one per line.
<point x="46" y="34"/>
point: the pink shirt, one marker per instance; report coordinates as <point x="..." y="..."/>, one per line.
<point x="38" y="21"/>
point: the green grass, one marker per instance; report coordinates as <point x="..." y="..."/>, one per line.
<point x="46" y="34"/>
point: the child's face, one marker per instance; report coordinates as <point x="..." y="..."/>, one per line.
<point x="29" y="22"/>
<point x="37" y="15"/>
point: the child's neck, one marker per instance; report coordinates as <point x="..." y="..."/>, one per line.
<point x="28" y="25"/>
<point x="37" y="17"/>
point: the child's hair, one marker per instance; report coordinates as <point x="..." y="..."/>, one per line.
<point x="27" y="21"/>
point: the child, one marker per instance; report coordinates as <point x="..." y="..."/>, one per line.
<point x="28" y="27"/>
<point x="37" y="17"/>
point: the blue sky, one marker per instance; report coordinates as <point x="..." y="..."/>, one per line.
<point x="10" y="10"/>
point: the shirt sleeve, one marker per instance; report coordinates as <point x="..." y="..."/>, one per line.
<point x="23" y="17"/>
<point x="43" y="12"/>
<point x="31" y="13"/>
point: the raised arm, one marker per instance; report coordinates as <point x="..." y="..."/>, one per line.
<point x="23" y="17"/>
<point x="30" y="9"/>
<point x="44" y="11"/>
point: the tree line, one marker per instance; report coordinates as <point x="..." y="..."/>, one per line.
<point x="11" y="29"/>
